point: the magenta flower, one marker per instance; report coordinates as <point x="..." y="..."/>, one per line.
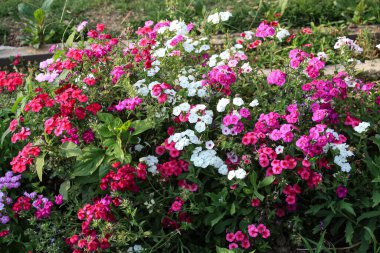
<point x="265" y="30"/>
<point x="341" y="191"/>
<point x="58" y="199"/>
<point x="88" y="136"/>
<point x="276" y="77"/>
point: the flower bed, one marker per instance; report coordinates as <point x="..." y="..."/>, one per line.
<point x="165" y="144"/>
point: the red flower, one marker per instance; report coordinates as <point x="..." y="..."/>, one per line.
<point x="94" y="108"/>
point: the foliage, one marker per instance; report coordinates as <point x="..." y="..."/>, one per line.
<point x="36" y="32"/>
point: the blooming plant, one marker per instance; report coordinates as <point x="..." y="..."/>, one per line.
<point x="163" y="144"/>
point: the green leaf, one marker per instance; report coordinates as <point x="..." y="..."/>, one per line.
<point x="347" y="207"/>
<point x="253" y="179"/>
<point x="221" y="226"/>
<point x="217" y="219"/>
<point x="61" y="77"/>
<point x="233" y="209"/>
<point x="64" y="188"/>
<point x="223" y="250"/>
<point x="283" y="4"/>
<point x="105" y="117"/>
<point x="40" y="161"/>
<point x="376" y="180"/>
<point x="6" y="132"/>
<point x="349" y="232"/>
<point x="70" y="39"/>
<point x="115" y="149"/>
<point x="266" y="181"/>
<point x="258" y="195"/>
<point x="124" y="127"/>
<point x="375" y="198"/>
<point x="69" y="149"/>
<point x="25" y="10"/>
<point x="46" y="5"/>
<point x="39" y="16"/>
<point x="17" y="102"/>
<point x="88" y="162"/>
<point x="141" y="126"/>
<point x="370" y="232"/>
<point x="368" y="215"/>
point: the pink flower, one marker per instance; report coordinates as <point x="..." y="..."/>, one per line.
<point x="239" y="236"/>
<point x="276" y="77"/>
<point x="233" y="246"/>
<point x="230" y="237"/>
<point x="265" y="30"/>
<point x="266" y="233"/>
<point x="160" y="150"/>
<point x="255" y="202"/>
<point x="319" y="115"/>
<point x="245" y="244"/>
<point x="253" y="231"/>
<point x="81" y="26"/>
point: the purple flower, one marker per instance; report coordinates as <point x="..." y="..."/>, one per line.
<point x="341" y="192"/>
<point x="4" y="219"/>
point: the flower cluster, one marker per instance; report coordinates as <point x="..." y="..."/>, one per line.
<point x="42" y="205"/>
<point x="124" y="178"/>
<point x="243" y="239"/>
<point x="88" y="240"/>
<point x="24" y="158"/>
<point x="10" y="81"/>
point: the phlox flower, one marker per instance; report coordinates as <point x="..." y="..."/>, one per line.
<point x="362" y="127"/>
<point x="265" y="30"/>
<point x="276" y="77"/>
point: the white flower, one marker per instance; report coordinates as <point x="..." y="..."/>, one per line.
<point x="362" y="127"/>
<point x="209" y="144"/>
<point x="248" y="35"/>
<point x="246" y="68"/>
<point x="176" y="111"/>
<point x="139" y="147"/>
<point x="200" y="127"/>
<point x="323" y="55"/>
<point x="223" y="170"/>
<point x="225" y="55"/>
<point x="202" y="93"/>
<point x="240" y="173"/>
<point x="282" y="34"/>
<point x="207" y="119"/>
<point x="188" y="47"/>
<point x="160" y="52"/>
<point x="193" y="118"/>
<point x="279" y="149"/>
<point x="378" y="46"/>
<point x="231" y="175"/>
<point x="221" y="106"/>
<point x="203" y="48"/>
<point x="224" y="16"/>
<point x="214" y="18"/>
<point x="185" y="107"/>
<point x="254" y="103"/>
<point x="238" y="101"/>
<point x="348" y="42"/>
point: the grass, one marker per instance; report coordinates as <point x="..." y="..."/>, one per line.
<point x="118" y="14"/>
